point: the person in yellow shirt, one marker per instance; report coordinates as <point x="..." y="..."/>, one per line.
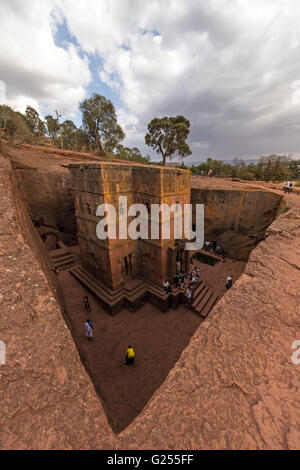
<point x="130" y="354"/>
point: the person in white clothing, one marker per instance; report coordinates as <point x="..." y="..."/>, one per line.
<point x="188" y="293"/>
<point x="287" y="188"/>
<point x="166" y="286"/>
<point x="89" y="329"/>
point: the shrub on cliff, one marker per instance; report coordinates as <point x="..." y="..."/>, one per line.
<point x="13" y="125"/>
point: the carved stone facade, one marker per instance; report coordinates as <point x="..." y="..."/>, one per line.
<point x="112" y="261"/>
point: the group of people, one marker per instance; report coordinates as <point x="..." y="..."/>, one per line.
<point x="188" y="282"/>
<point x="89" y="329"/>
<point x="214" y="247"/>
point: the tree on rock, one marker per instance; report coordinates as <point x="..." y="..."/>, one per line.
<point x="99" y="121"/>
<point x="68" y="130"/>
<point x="132" y="154"/>
<point x="34" y="122"/>
<point x="13" y="125"/>
<point x="168" y="136"/>
<point x="52" y="126"/>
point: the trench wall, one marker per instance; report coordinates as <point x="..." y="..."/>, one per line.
<point x="237" y="219"/>
<point x="47" y="398"/>
<point x="49" y="197"/>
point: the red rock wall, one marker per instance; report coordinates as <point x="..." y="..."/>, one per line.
<point x="32" y="237"/>
<point x="49" y="197"/>
<point x="234" y="387"/>
<point x="237" y="219"/>
<point x="47" y="398"/>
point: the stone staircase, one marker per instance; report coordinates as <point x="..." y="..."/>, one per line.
<point x="204" y="299"/>
<point x="137" y="291"/>
<point x="131" y="295"/>
<point x="62" y="258"/>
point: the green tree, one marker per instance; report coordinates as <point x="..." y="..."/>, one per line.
<point x="52" y="126"/>
<point x="132" y="154"/>
<point x="168" y="136"/>
<point x="13" y="124"/>
<point x="7" y="123"/>
<point x="34" y="122"/>
<point x="68" y="130"/>
<point x="100" y="123"/>
<point x="82" y="142"/>
<point x="294" y="168"/>
<point x="275" y="167"/>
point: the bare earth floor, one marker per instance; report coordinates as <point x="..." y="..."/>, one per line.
<point x="158" y="339"/>
<point x="215" y="276"/>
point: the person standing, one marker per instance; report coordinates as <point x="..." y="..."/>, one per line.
<point x="188" y="294"/>
<point x="89" y="329"/>
<point x="130" y="355"/>
<point x="287" y="188"/>
<point x="166" y="286"/>
<point x="207" y="245"/>
<point x="86" y="303"/>
<point x="229" y="282"/>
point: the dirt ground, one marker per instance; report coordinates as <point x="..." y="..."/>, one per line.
<point x="215" y="276"/>
<point x="158" y="339"/>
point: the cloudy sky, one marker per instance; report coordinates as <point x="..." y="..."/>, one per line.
<point x="230" y="66"/>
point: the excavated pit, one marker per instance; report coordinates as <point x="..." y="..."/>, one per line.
<point x="237" y="219"/>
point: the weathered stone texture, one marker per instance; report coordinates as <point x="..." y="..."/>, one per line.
<point x="234" y="386"/>
<point x="236" y="218"/>
<point x="111" y="259"/>
<point x="55" y="208"/>
<point x="47" y="399"/>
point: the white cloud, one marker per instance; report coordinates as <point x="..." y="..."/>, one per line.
<point x="296" y="94"/>
<point x="32" y="67"/>
<point x="228" y="65"/>
<point x="19" y="103"/>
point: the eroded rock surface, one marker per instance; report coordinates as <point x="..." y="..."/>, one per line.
<point x="234" y="386"/>
<point x="238" y="217"/>
<point x="47" y="399"/>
